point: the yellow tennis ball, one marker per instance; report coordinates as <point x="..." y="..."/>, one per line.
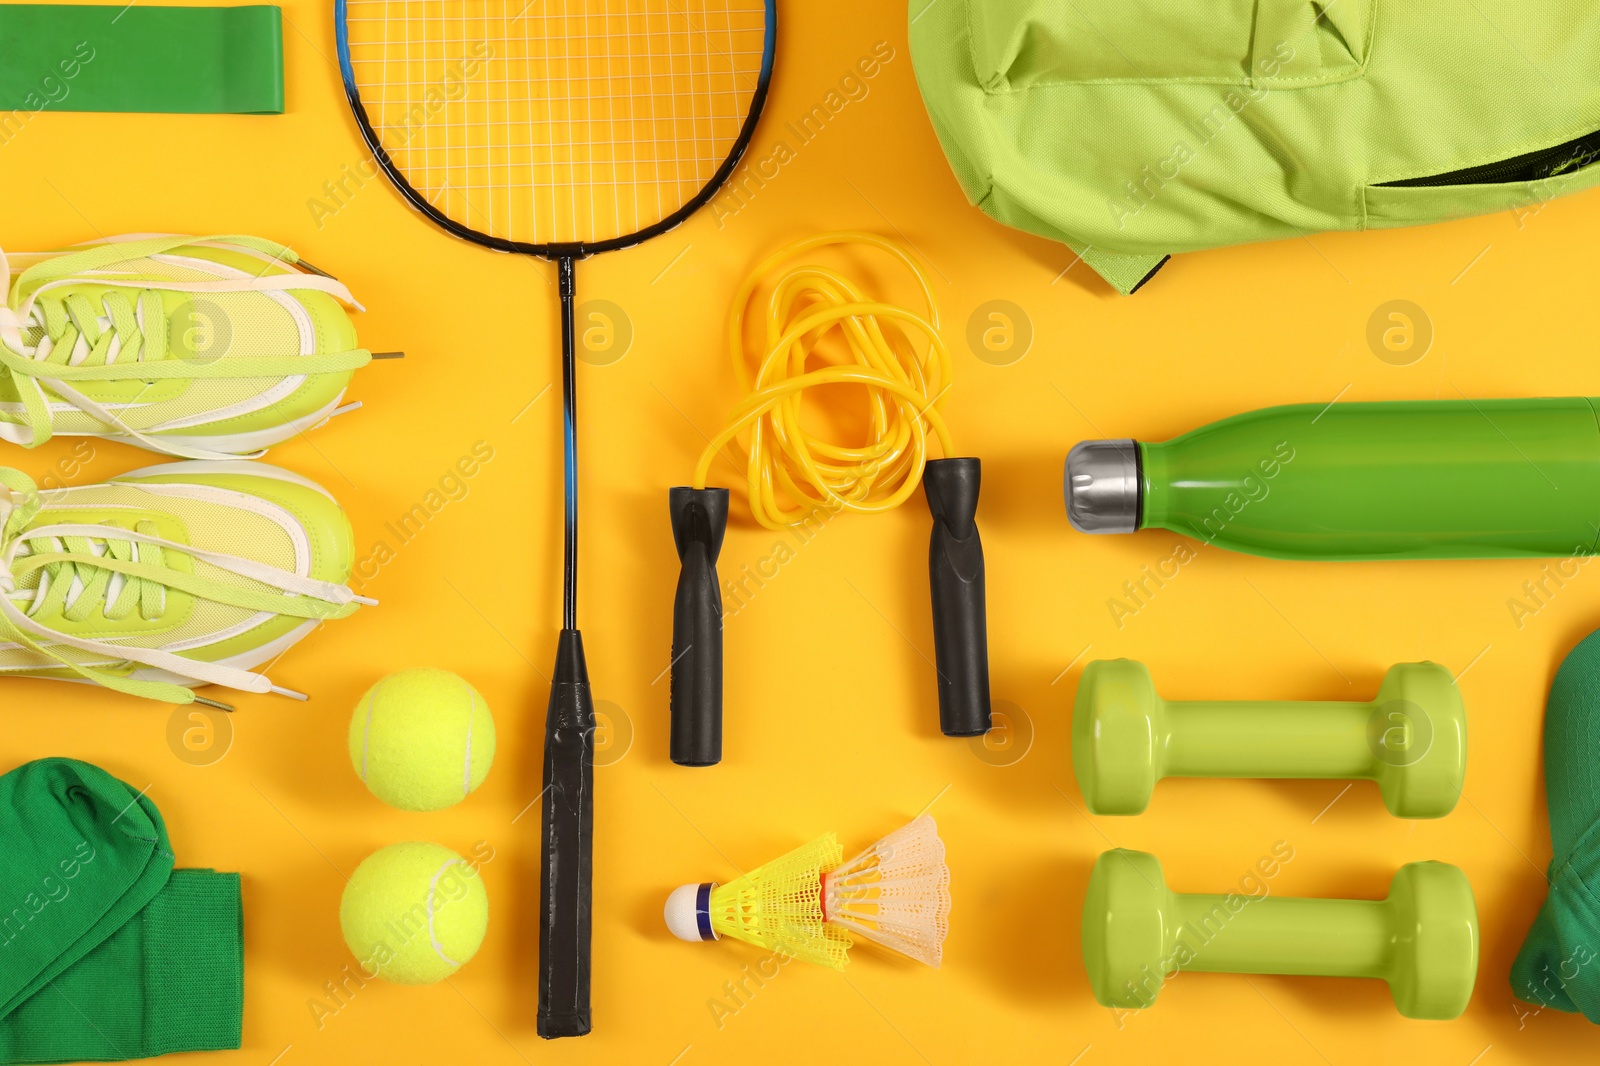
<point x="422" y="740"/>
<point x="414" y="913"/>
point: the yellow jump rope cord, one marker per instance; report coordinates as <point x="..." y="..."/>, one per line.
<point x="905" y="383"/>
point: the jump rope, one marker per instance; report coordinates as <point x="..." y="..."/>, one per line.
<point x="818" y="327"/>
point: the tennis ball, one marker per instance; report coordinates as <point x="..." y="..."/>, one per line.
<point x="414" y="913"/>
<point x="422" y="740"/>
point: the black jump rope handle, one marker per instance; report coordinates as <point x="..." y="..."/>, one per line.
<point x="955" y="578"/>
<point x="699" y="518"/>
<point x="960" y="610"/>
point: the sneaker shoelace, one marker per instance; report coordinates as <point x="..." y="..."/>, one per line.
<point x="74" y="341"/>
<point x="84" y="568"/>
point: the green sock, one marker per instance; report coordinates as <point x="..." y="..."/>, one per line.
<point x="172" y="979"/>
<point x="106" y="952"/>
<point x="83" y="855"/>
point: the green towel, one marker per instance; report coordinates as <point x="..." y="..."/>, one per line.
<point x="106" y="952"/>
<point x="1559" y="964"/>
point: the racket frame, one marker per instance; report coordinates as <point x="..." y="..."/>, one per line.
<point x="558" y="250"/>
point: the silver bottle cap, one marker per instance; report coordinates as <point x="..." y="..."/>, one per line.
<point x="1102" y="486"/>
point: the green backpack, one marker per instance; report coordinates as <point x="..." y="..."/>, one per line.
<point x="1134" y="129"/>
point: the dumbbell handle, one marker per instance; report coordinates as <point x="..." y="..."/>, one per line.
<point x="1307" y="937"/>
<point x="1266" y="739"/>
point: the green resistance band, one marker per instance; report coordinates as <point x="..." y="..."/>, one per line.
<point x="173" y="60"/>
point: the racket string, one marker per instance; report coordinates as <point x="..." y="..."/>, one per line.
<point x="569" y="121"/>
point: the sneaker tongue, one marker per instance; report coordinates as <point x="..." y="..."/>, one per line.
<point x="33" y="328"/>
<point x="36" y="329"/>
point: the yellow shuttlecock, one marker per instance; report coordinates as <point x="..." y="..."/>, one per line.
<point x="807" y="903"/>
<point x="777" y="906"/>
<point x="896" y="893"/>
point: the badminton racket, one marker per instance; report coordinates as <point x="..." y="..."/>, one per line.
<point x="559" y="129"/>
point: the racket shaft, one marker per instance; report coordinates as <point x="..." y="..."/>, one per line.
<point x="569" y="442"/>
<point x="566" y="886"/>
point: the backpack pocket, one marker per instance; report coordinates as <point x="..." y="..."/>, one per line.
<point x="1279" y="44"/>
<point x="1518" y="182"/>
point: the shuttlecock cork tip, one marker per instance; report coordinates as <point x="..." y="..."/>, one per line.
<point x="688" y="912"/>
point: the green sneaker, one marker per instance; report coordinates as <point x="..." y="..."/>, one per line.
<point x="201" y="347"/>
<point x="178" y="575"/>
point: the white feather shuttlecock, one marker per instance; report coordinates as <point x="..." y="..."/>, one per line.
<point x="896" y="893"/>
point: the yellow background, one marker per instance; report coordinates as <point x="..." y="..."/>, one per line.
<point x="831" y="720"/>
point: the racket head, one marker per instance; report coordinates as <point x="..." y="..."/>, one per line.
<point x="557" y="128"/>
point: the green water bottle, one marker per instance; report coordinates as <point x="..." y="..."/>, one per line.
<point x="1412" y="479"/>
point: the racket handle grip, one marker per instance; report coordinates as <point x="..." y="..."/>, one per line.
<point x="960" y="611"/>
<point x="699" y="519"/>
<point x="566" y="874"/>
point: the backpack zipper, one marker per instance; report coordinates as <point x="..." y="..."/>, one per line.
<point x="1532" y="166"/>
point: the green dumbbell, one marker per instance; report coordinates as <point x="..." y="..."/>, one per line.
<point x="1411" y="740"/>
<point x="1423" y="939"/>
